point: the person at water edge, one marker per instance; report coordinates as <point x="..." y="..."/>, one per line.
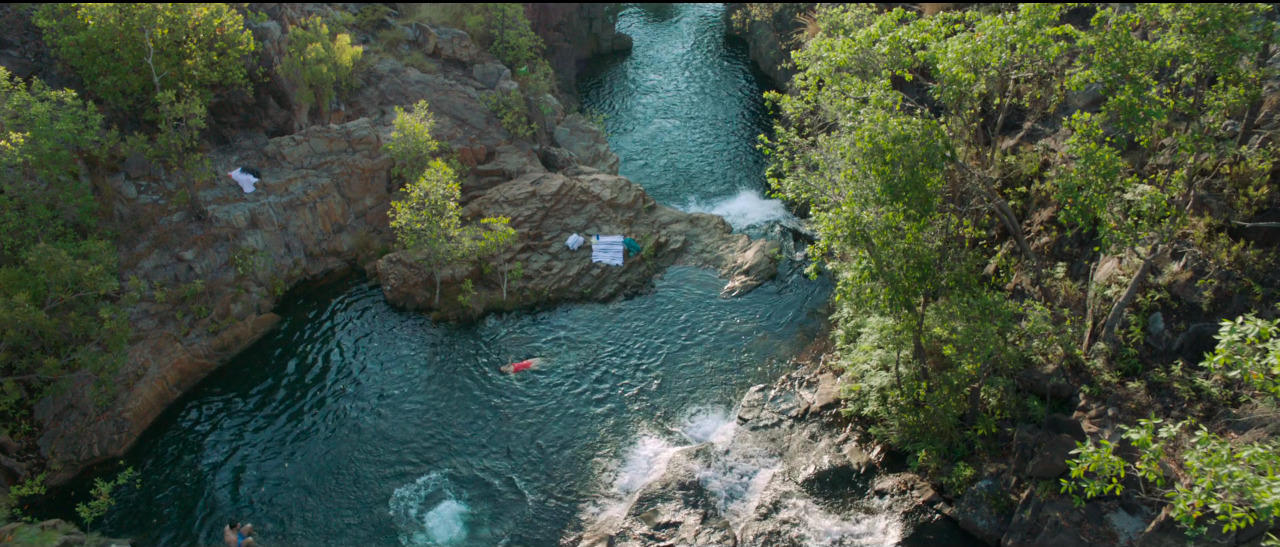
<point x="230" y="533"/>
<point x="243" y="538"/>
<point x="527" y="364"/>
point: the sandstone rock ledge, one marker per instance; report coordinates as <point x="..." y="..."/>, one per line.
<point x="545" y="209"/>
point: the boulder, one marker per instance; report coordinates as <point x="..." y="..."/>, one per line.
<point x="1051" y="459"/>
<point x="456" y="45"/>
<point x="978" y="512"/>
<point x="587" y="143"/>
<point x="1198" y="340"/>
<point x="1061" y="423"/>
<point x="327" y="179"/>
<point x="490" y="74"/>
<point x="1044" y="382"/>
<point x="827" y="396"/>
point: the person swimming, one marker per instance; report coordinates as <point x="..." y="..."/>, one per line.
<point x="521" y="366"/>
<point x="230" y="533"/>
<point x="243" y="537"/>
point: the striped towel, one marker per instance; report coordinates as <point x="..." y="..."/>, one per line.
<point x="574" y="242"/>
<point x="607" y="249"/>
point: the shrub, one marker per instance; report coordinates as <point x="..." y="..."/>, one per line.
<point x="511" y="111"/>
<point x="411" y="144"/>
<point x="320" y="63"/>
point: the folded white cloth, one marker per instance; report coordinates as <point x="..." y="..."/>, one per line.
<point x="574" y="242"/>
<point x="245" y="180"/>
<point x="607" y="249"/>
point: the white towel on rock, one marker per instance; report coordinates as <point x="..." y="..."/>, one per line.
<point x="574" y="242"/>
<point x="245" y="180"/>
<point x="607" y="249"/>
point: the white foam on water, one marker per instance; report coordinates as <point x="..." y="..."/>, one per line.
<point x="644" y="462"/>
<point x="823" y="529"/>
<point x="428" y="513"/>
<point x="736" y="480"/>
<point x="746" y="208"/>
<point x="708" y="425"/>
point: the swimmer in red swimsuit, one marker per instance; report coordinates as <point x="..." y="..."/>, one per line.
<point x="527" y="364"/>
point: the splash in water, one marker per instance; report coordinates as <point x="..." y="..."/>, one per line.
<point x="747" y="208"/>
<point x="428" y="513"/>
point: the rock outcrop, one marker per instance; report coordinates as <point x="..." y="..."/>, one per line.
<point x="769" y="38"/>
<point x="781" y="473"/>
<point x="545" y="209"/>
<point x="574" y="33"/>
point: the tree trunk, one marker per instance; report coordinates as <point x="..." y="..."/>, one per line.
<point x="917" y="340"/>
<point x="437" y="304"/>
<point x="1112" y="323"/>
<point x="1088" y="308"/>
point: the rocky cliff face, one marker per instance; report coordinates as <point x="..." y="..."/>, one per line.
<point x="577" y="32"/>
<point x="769" y="38"/>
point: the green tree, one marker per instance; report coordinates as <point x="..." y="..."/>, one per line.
<point x="496" y="236"/>
<point x="427" y="219"/>
<point x="411" y="145"/>
<point x="58" y="321"/>
<point x="45" y="136"/>
<point x="513" y="40"/>
<point x="320" y="63"/>
<point x="902" y="220"/>
<point x="127" y="54"/>
<point x="1173" y="76"/>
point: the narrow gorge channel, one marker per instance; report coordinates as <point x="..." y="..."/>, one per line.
<point x="356" y="423"/>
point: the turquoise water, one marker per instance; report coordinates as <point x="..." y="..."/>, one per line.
<point x="354" y="423"/>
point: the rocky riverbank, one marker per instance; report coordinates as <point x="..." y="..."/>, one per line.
<point x="207" y="262"/>
<point x="54" y="532"/>
<point x="784" y="469"/>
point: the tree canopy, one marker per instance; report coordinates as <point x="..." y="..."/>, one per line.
<point x="127" y="54"/>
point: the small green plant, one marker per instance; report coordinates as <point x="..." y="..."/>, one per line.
<point x="160" y="293"/>
<point x="278" y="287"/>
<point x="510" y="109"/>
<point x="247" y="260"/>
<point x="961" y="477"/>
<point x="101" y="499"/>
<point x="1248" y="351"/>
<point x="27" y="488"/>
<point x="465" y="293"/>
<point x="371" y="17"/>
<point x="1235" y="484"/>
<point x="193" y="290"/>
<point x="411" y="145"/>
